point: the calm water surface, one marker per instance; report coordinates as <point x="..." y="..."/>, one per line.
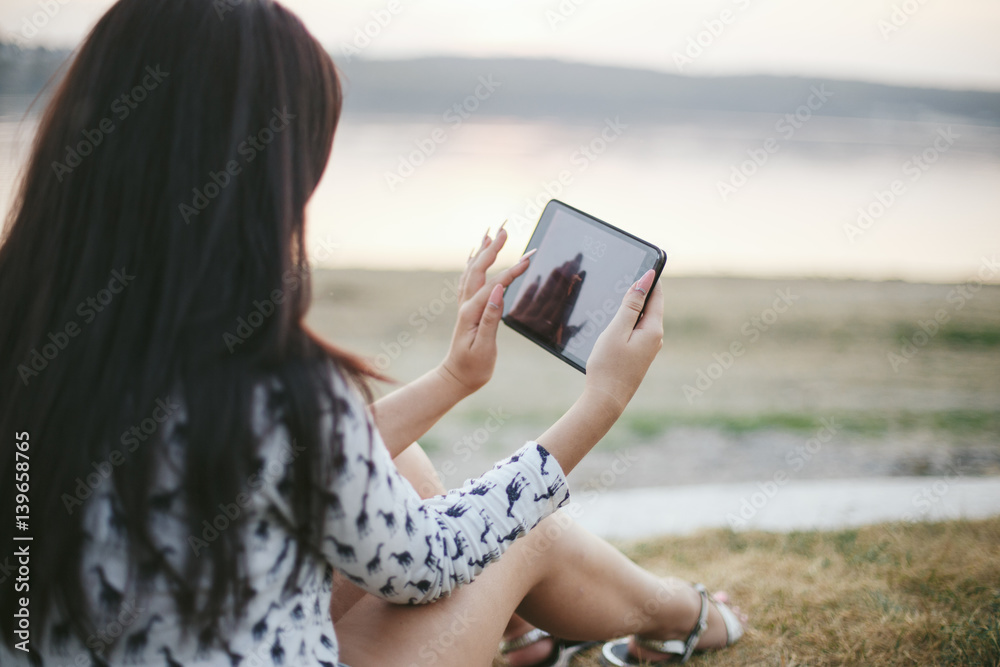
<point x="721" y="194"/>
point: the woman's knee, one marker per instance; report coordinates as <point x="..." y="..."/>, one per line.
<point x="416" y="467"/>
<point x="546" y="545"/>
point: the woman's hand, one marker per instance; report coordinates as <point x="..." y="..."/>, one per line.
<point x="407" y="413"/>
<point x="473" y="352"/>
<point x="624" y="351"/>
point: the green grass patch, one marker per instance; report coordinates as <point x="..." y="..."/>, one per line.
<point x="956" y="337"/>
<point x="965" y="422"/>
<point x="950" y="334"/>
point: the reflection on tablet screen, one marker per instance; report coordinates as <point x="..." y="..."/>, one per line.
<point x="575" y="284"/>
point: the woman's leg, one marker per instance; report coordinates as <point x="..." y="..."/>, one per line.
<point x="559" y="577"/>
<point x="414" y="464"/>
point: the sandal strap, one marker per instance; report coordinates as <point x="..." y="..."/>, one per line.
<point x="686" y="648"/>
<point x="734" y="629"/>
<point x="530" y="637"/>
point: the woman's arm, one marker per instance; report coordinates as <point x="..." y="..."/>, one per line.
<point x="416" y="468"/>
<point x="391" y="543"/>
<point x="616" y="366"/>
<point x="409" y="412"/>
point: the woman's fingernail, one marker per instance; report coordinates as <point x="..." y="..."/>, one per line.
<point x="645" y="282"/>
<point x="486" y="238"/>
<point x="526" y="256"/>
<point x="496" y="296"/>
<point x="502" y="225"/>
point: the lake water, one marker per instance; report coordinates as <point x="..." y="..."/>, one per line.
<point x="722" y="194"/>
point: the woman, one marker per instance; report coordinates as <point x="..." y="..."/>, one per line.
<point x="198" y="462"/>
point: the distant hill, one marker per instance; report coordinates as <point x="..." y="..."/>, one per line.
<point x="25" y="71"/>
<point x="571" y="91"/>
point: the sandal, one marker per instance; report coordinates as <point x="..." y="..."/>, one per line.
<point x="562" y="649"/>
<point x="616" y="652"/>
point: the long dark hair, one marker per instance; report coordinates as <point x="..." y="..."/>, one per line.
<point x="154" y="256"/>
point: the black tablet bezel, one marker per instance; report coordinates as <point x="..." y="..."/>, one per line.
<point x="655" y="259"/>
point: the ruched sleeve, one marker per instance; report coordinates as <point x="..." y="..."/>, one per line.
<point x="395" y="545"/>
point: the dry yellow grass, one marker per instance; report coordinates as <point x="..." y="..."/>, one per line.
<point x="886" y="595"/>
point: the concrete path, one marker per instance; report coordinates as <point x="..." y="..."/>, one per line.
<point x="800" y="505"/>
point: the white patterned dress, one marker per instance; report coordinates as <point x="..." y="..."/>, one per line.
<point x="378" y="533"/>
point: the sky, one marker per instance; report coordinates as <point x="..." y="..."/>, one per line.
<point x="935" y="43"/>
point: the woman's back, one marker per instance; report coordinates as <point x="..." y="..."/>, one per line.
<point x="123" y="301"/>
<point x="376" y="530"/>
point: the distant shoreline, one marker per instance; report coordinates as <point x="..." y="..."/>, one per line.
<point x="335" y="271"/>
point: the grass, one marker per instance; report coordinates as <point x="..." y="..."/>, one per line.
<point x="966" y="422"/>
<point x="972" y="337"/>
<point x="980" y="335"/>
<point x="887" y="595"/>
<point x="646" y="424"/>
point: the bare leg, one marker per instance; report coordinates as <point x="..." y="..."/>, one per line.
<point x="414" y="464"/>
<point x="559" y="577"/>
<point x="532" y="654"/>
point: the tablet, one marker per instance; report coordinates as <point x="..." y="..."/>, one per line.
<point x="575" y="284"/>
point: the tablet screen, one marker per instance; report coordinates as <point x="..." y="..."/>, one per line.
<point x="576" y="281"/>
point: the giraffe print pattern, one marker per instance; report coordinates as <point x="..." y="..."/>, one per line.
<point x="377" y="531"/>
